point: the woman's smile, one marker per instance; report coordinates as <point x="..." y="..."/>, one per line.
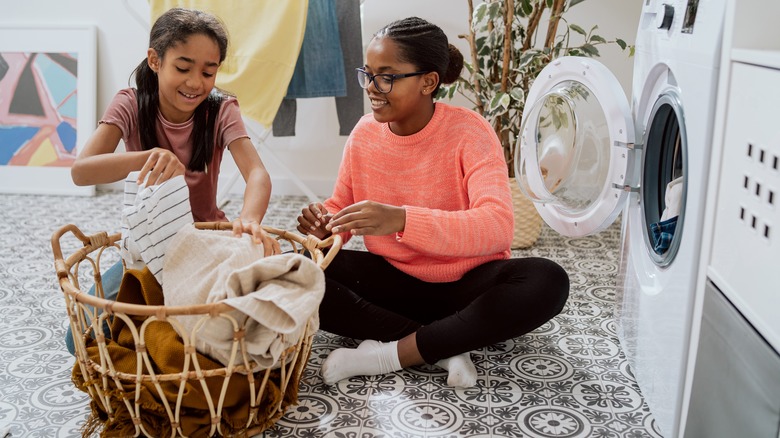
<point x="377" y="104"/>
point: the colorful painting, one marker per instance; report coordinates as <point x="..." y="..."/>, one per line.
<point x="38" y="108"/>
<point x="47" y="106"/>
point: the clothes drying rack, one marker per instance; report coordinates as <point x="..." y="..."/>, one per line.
<point x="259" y="136"/>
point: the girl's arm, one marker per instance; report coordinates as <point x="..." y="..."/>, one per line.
<point x="256" y="195"/>
<point x="258" y="183"/>
<point x="98" y="164"/>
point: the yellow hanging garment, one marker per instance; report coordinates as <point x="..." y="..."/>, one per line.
<point x="265" y="37"/>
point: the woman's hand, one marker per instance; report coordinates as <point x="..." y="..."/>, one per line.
<point x="368" y="218"/>
<point x="161" y="166"/>
<point x="270" y="244"/>
<point x="313" y="219"/>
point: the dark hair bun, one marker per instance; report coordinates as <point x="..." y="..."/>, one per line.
<point x="454" y="67"/>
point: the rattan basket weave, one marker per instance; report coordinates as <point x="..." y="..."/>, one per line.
<point x="113" y="398"/>
<point x="528" y="223"/>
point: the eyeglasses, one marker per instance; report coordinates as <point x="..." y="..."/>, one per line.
<point x="382" y="81"/>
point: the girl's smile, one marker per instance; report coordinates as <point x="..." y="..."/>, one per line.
<point x="188" y="96"/>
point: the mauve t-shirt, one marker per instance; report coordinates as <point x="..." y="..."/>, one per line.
<point x="123" y="113"/>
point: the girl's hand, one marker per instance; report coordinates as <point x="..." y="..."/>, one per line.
<point x="368" y="218"/>
<point x="161" y="166"/>
<point x="313" y="219"/>
<point x="270" y="245"/>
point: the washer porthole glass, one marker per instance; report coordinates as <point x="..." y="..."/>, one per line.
<point x="567" y="132"/>
<point x="664" y="183"/>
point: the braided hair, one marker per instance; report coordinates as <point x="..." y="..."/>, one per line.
<point x="174" y="27"/>
<point x="426" y="46"/>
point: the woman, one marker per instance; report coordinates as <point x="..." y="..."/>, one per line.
<point x="425" y="183"/>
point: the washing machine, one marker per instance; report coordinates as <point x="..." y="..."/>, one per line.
<point x="585" y="155"/>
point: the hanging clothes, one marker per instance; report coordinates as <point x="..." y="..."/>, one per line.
<point x="319" y="71"/>
<point x="332" y="49"/>
<point x="265" y="40"/>
<point x="350" y="107"/>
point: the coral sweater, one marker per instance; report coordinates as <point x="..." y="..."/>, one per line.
<point x="452" y="181"/>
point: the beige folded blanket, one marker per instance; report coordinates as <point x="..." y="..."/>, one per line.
<point x="277" y="295"/>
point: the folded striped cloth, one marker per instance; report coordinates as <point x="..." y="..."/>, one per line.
<point x="150" y="218"/>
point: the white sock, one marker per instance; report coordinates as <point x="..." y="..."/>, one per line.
<point x="462" y="372"/>
<point x="368" y="359"/>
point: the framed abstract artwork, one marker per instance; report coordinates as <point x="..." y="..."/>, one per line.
<point x="47" y="106"/>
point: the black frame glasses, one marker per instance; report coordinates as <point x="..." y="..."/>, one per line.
<point x="365" y="78"/>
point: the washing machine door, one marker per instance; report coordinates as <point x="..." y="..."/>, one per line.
<point x="575" y="156"/>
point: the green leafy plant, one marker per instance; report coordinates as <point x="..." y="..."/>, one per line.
<point x="507" y="54"/>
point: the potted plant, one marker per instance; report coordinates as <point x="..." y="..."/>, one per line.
<point x="506" y="54"/>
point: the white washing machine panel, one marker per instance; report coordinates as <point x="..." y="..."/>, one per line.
<point x="583" y="166"/>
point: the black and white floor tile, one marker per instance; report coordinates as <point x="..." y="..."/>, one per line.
<point x="568" y="378"/>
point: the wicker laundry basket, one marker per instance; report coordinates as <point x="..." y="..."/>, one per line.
<point x="150" y="399"/>
<point x="528" y="223"/>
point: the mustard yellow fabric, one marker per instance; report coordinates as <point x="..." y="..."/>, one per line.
<point x="166" y="352"/>
<point x="265" y="39"/>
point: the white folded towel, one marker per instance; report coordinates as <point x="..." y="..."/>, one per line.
<point x="150" y="218"/>
<point x="276" y="295"/>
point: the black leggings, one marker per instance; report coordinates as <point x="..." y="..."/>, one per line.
<point x="368" y="298"/>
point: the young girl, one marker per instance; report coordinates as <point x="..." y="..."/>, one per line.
<point x="176" y="122"/>
<point x="426" y="184"/>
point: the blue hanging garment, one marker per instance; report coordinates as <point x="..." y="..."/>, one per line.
<point x="319" y="71"/>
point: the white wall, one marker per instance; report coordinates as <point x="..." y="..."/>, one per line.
<point x="315" y="152"/>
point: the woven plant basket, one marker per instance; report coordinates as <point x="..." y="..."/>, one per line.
<point x="528" y="223"/>
<point x="151" y="399"/>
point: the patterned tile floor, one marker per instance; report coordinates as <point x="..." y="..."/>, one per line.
<point x="568" y="378"/>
